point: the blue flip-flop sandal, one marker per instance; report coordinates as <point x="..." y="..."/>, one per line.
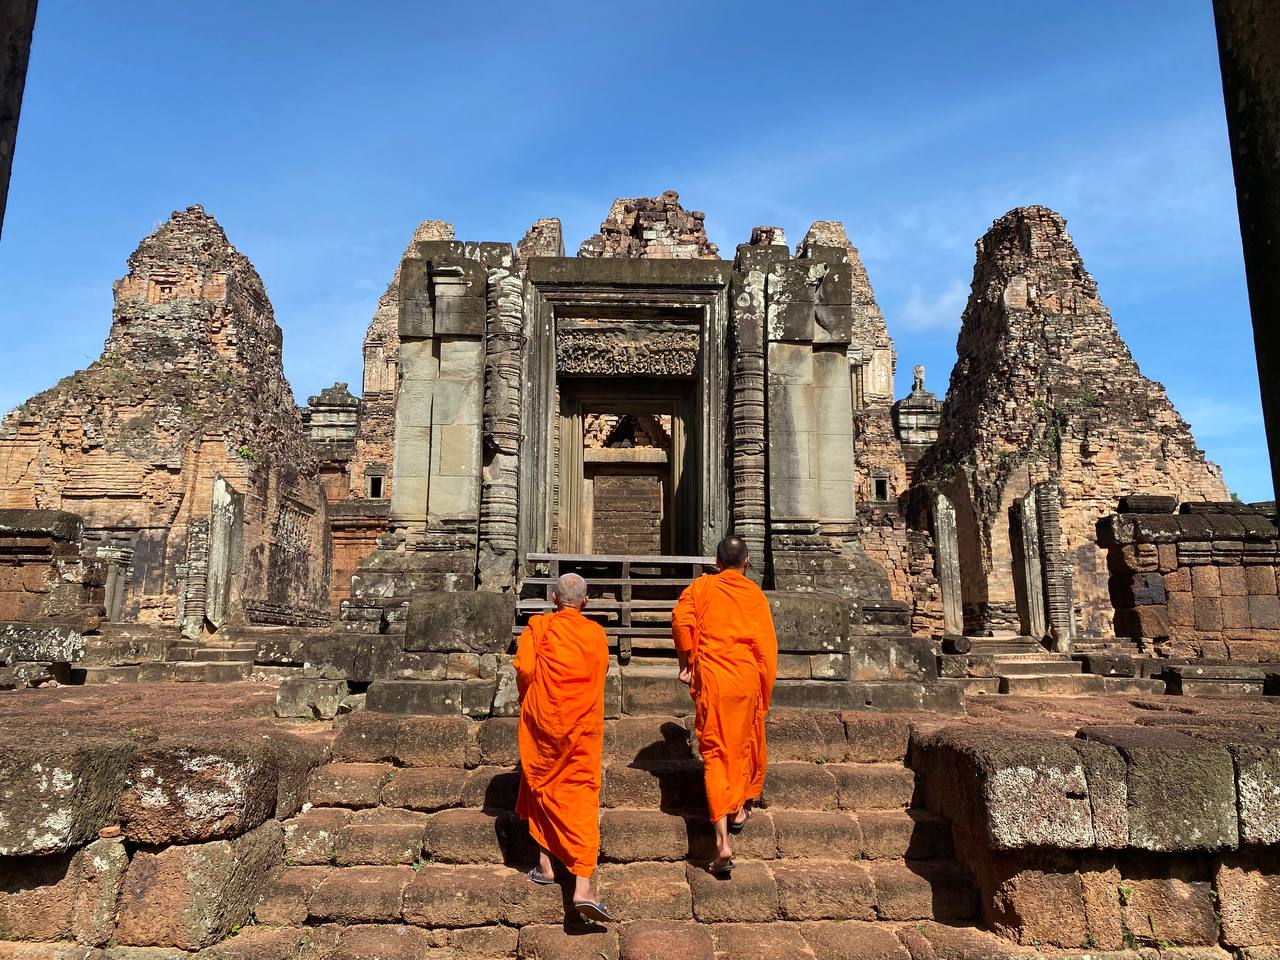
<point x="593" y="910"/>
<point x="540" y="878"/>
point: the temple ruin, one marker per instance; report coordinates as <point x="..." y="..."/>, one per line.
<point x="259" y="654"/>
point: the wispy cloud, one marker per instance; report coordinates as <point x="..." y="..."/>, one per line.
<point x="1212" y="417"/>
<point x="934" y="311"/>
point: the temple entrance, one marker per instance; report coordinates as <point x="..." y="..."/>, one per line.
<point x="628" y="472"/>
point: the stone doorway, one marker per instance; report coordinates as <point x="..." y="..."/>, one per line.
<point x="628" y="471"/>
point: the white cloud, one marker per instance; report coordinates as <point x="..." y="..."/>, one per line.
<point x="938" y="311"/>
<point x="1211" y="417"/>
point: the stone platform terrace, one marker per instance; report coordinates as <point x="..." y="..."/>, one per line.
<point x="163" y="821"/>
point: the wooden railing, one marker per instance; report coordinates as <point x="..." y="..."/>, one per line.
<point x="631" y="596"/>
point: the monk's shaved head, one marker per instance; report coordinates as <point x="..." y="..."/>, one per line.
<point x="571" y="590"/>
<point x="731" y="554"/>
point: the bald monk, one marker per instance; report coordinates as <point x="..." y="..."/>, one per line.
<point x="561" y="661"/>
<point x="728" y="654"/>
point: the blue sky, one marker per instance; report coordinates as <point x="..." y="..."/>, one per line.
<point x="319" y="133"/>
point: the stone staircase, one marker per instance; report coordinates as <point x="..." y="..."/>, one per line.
<point x="225" y="662"/>
<point x="410" y="841"/>
<point x="1020" y="665"/>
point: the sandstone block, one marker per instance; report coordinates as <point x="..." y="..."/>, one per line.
<point x="434" y="741"/>
<point x="1205" y="582"/>
<point x="493" y="788"/>
<point x="749" y="895"/>
<point x="914" y="834"/>
<point x="438" y="698"/>
<point x="464" y="622"/>
<point x="102" y="866"/>
<point x="805" y="833"/>
<point x="1260" y="580"/>
<point x="310" y="698"/>
<point x="922" y="890"/>
<point x="805" y="735"/>
<point x="310" y="838"/>
<point x="384" y="843"/>
<point x="1165" y="902"/>
<point x="1207" y="613"/>
<point x="852" y="940"/>
<point x="367" y="738"/>
<point x="499" y="741"/>
<point x="361" y="895"/>
<point x="56" y="797"/>
<point x="1181" y="792"/>
<point x="757" y="842"/>
<point x="1013" y="790"/>
<point x="646" y="739"/>
<point x="348" y="784"/>
<point x="38" y="897"/>
<point x="876" y="738"/>
<point x="189" y="791"/>
<point x="631" y="835"/>
<point x="665" y="940"/>
<point x="1235" y="613"/>
<point x="1264" y="612"/>
<point x="191" y="896"/>
<point x="873" y="786"/>
<point x="287" y="895"/>
<point x="800" y="786"/>
<point x="810" y="622"/>
<point x="445" y="896"/>
<point x="1178" y="581"/>
<point x="476" y="836"/>
<point x="1233" y="581"/>
<point x="547" y="942"/>
<point x="647" y="891"/>
<point x="1248" y="891"/>
<point x="425" y="788"/>
<point x="1181" y="610"/>
<point x="815" y="890"/>
<point x="760" y="941"/>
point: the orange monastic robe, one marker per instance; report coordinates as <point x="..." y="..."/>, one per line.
<point x="723" y="623"/>
<point x="561" y="662"/>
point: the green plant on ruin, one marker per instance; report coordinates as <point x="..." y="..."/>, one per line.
<point x="1126" y="894"/>
<point x="245" y="452"/>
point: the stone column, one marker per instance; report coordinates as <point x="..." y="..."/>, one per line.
<point x="435" y="494"/>
<point x="226" y="540"/>
<point x="499" y="491"/>
<point x="1031" y="573"/>
<point x="1059" y="591"/>
<point x="947" y="547"/>
<point x="750" y="443"/>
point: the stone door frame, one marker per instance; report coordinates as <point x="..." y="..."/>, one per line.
<point x="622" y="289"/>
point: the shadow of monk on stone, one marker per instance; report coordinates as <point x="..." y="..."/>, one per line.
<point x="561" y="662"/>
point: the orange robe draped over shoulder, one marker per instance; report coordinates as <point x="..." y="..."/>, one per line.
<point x="561" y="661"/>
<point x="722" y="622"/>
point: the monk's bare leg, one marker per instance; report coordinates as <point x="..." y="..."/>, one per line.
<point x="723" y="850"/>
<point x="545" y="867"/>
<point x="582" y="890"/>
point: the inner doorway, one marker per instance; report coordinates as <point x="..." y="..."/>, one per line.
<point x="628" y="472"/>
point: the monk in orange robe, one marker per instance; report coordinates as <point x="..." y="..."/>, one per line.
<point x="561" y="661"/>
<point x="728" y="654"/>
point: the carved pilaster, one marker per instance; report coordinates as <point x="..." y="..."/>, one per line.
<point x="750" y="468"/>
<point x="499" y="492"/>
<point x="1059" y="590"/>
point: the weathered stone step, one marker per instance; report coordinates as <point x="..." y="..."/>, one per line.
<point x="670" y="785"/>
<point x="447" y="896"/>
<point x="467" y="835"/>
<point x="1030" y="667"/>
<point x="223" y="654"/>
<point x="191" y="671"/>
<point x="1078" y="685"/>
<point x="793" y="735"/>
<point x="105" y="674"/>
<point x="642" y="939"/>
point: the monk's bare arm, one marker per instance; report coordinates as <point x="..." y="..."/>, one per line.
<point x="684" y="624"/>
<point x="523" y="661"/>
